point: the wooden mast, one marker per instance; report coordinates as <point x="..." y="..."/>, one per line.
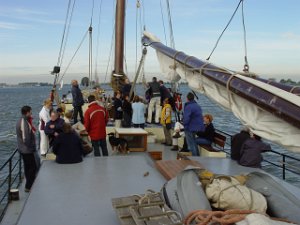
<point x="118" y="76"/>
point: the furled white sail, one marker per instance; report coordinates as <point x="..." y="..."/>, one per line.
<point x="260" y="121"/>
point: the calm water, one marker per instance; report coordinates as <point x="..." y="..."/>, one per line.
<point x="12" y="99"/>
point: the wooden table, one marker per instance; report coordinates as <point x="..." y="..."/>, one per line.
<point x="136" y="137"/>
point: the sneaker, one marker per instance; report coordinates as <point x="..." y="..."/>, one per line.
<point x="184" y="150"/>
<point x="177" y="135"/>
<point x="175" y="148"/>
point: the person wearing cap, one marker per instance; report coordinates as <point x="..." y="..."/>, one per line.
<point x="206" y="137"/>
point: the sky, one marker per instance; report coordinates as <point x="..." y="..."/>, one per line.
<point x="31" y="33"/>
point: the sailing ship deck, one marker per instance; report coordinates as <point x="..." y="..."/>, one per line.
<point x="81" y="193"/>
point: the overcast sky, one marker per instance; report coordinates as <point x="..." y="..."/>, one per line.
<point x="31" y="32"/>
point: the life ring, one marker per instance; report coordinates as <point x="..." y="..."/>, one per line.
<point x="178" y="102"/>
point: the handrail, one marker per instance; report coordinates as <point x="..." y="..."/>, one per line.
<point x="14" y="171"/>
<point x="283" y="164"/>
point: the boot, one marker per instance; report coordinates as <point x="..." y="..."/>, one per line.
<point x="175" y="148"/>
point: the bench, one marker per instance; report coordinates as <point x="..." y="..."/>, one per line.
<point x="216" y="149"/>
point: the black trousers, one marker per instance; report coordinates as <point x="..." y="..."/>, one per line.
<point x="30" y="169"/>
<point x="78" y="109"/>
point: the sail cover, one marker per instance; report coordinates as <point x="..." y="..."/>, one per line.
<point x="269" y="110"/>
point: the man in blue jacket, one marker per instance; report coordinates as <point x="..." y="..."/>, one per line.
<point x="193" y="122"/>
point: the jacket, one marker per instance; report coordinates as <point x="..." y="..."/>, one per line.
<point x="68" y="148"/>
<point x="95" y="120"/>
<point x="164" y="93"/>
<point x="58" y="127"/>
<point x="208" y="133"/>
<point x="166" y="114"/>
<point x="44" y="116"/>
<point x="192" y="117"/>
<point x="251" y="152"/>
<point x="154" y="89"/>
<point x="138" y="115"/>
<point x="77" y="97"/>
<point x="118" y="109"/>
<point x="25" y="137"/>
<point x="237" y="143"/>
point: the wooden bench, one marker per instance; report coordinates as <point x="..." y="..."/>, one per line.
<point x="216" y="149"/>
<point x="170" y="168"/>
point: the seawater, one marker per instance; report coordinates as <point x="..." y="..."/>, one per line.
<point x="13" y="98"/>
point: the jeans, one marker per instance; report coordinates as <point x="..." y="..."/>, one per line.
<point x="202" y="141"/>
<point x="100" y="143"/>
<point x="78" y="109"/>
<point x="30" y="169"/>
<point x="191" y="142"/>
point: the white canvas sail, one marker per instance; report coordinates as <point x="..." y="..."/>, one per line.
<point x="260" y="121"/>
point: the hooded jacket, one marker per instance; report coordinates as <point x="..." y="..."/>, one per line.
<point x="95" y="120"/>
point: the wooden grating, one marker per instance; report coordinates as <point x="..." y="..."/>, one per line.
<point x="171" y="168"/>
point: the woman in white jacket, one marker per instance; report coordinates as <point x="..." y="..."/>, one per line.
<point x="44" y="117"/>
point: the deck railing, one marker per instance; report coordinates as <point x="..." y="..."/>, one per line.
<point x="285" y="163"/>
<point x="11" y="177"/>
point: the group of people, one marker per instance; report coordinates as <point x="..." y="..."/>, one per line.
<point x="246" y="148"/>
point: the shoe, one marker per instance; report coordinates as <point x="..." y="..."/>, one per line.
<point x="43" y="155"/>
<point x="168" y="144"/>
<point x="175" y="148"/>
<point x="184" y="150"/>
<point x="177" y="135"/>
<point x="27" y="190"/>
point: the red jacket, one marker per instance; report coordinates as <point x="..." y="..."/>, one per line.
<point x="95" y="120"/>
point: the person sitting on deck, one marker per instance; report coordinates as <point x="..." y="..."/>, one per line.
<point x="206" y="137"/>
<point x="54" y="127"/>
<point x="251" y="152"/>
<point x="67" y="146"/>
<point x="237" y="142"/>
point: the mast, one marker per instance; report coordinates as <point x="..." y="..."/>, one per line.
<point x="118" y="75"/>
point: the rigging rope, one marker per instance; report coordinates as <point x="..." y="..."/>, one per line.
<point x="246" y="65"/>
<point x="66" y="31"/>
<point x="224" y="30"/>
<point x="85" y="35"/>
<point x="170" y="26"/>
<point x="97" y="48"/>
<point x="163" y="22"/>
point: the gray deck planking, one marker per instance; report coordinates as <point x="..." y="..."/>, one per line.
<point x="81" y="193"/>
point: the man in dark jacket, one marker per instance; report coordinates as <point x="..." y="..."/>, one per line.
<point x="118" y="109"/>
<point x="27" y="146"/>
<point x="237" y="142"/>
<point x="192" y="122"/>
<point x="165" y="93"/>
<point x="54" y="127"/>
<point x="77" y="101"/>
<point x="154" y="101"/>
<point x="95" y="120"/>
<point x="251" y="152"/>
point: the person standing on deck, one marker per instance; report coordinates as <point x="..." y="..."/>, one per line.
<point x="26" y="145"/>
<point x="154" y="101"/>
<point x="127" y="112"/>
<point x="138" y="113"/>
<point x="165" y="93"/>
<point x="126" y="88"/>
<point x="165" y="120"/>
<point x="95" y="120"/>
<point x="44" y="117"/>
<point x="77" y="101"/>
<point x="192" y="122"/>
<point x="118" y="109"/>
